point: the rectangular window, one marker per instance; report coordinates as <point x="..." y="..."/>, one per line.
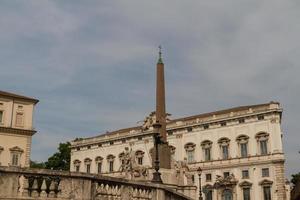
<point x="190" y="156"/>
<point x="99" y="166"/>
<point x="208" y="195"/>
<point x="207" y="154"/>
<point x="267" y="192"/>
<point x="225" y="152"/>
<point x="88" y="168"/>
<point x="208" y="177"/>
<point x="77" y="168"/>
<point x="15" y="159"/>
<point x="1" y="116"/>
<point x="246" y="193"/>
<point x="241" y="121"/>
<point x="189" y="129"/>
<point x="19" y="119"/>
<point x="244" y="150"/>
<point x="245" y="174"/>
<point x="260" y="117"/>
<point x="140" y="160"/>
<point x="223" y="123"/>
<point x="226" y="174"/>
<point x="206" y="126"/>
<point x="263" y="147"/>
<point x="111" y="166"/>
<point x="265" y="172"/>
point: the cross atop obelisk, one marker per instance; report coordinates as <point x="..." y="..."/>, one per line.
<point x="160" y="97"/>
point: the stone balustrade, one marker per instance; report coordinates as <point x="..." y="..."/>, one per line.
<point x="27" y="184"/>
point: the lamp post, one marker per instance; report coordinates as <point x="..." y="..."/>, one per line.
<point x="200" y="190"/>
<point x="157" y="140"/>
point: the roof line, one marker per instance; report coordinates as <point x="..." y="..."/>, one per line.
<point x="17" y="96"/>
<point x="189" y="118"/>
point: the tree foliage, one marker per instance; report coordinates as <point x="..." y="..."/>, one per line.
<point x="61" y="159"/>
<point x="58" y="161"/>
<point x="295" y="178"/>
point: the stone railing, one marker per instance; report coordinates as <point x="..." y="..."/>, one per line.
<point x="27" y="184"/>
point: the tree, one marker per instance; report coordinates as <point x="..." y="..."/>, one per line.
<point x="61" y="159"/>
<point x="35" y="164"/>
<point x="295" y="178"/>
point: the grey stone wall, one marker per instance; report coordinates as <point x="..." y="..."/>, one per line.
<point x="16" y="183"/>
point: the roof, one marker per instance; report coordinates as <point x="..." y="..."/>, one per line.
<point x="17" y="96"/>
<point x="220" y="112"/>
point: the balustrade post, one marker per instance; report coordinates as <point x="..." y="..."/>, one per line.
<point x="52" y="189"/>
<point x="34" y="189"/>
<point x="43" y="188"/>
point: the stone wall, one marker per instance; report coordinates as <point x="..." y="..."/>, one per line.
<point x="17" y="183"/>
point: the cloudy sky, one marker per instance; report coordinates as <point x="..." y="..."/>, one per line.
<point x="92" y="63"/>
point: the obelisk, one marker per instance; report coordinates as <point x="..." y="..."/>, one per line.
<point x="164" y="150"/>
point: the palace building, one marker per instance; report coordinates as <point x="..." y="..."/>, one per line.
<point x="239" y="151"/>
<point x="16" y="129"/>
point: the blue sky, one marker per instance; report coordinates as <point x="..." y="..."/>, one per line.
<point x="92" y="63"/>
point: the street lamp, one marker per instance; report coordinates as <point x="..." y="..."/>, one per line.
<point x="199" y="175"/>
<point x="157" y="140"/>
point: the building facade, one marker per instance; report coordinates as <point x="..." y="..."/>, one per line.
<point x="16" y="129"/>
<point x="239" y="151"/>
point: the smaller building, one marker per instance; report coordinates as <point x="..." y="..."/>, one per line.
<point x="16" y="129"/>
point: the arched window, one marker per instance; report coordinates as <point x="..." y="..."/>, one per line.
<point x="99" y="161"/>
<point x="190" y="151"/>
<point x="16" y="153"/>
<point x="206" y="147"/>
<point x="262" y="141"/>
<point x="139" y="156"/>
<point x="242" y="141"/>
<point x="224" y="147"/>
<point x="110" y="159"/>
<point x="76" y="164"/>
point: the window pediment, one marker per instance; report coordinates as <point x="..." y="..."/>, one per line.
<point x="190" y="146"/>
<point x="98" y="159"/>
<point x="16" y="149"/>
<point x="245" y="184"/>
<point x="206" y="144"/>
<point x="224" y="140"/>
<point x="262" y="136"/>
<point x="110" y="157"/>
<point x="265" y="182"/>
<point x="87" y="160"/>
<point x="76" y="162"/>
<point x="242" y="139"/>
<point x="139" y="153"/>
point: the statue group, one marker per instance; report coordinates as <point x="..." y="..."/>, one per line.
<point x="131" y="168"/>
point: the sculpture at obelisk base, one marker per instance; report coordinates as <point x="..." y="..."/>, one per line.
<point x="163" y="148"/>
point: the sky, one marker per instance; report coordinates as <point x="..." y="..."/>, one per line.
<point x="92" y="63"/>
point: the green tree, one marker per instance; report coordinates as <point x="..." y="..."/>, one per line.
<point x="35" y="164"/>
<point x="295" y="178"/>
<point x="61" y="159"/>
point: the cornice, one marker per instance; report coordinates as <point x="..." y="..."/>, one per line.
<point x="17" y="131"/>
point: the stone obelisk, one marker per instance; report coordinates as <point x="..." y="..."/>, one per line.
<point x="164" y="150"/>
